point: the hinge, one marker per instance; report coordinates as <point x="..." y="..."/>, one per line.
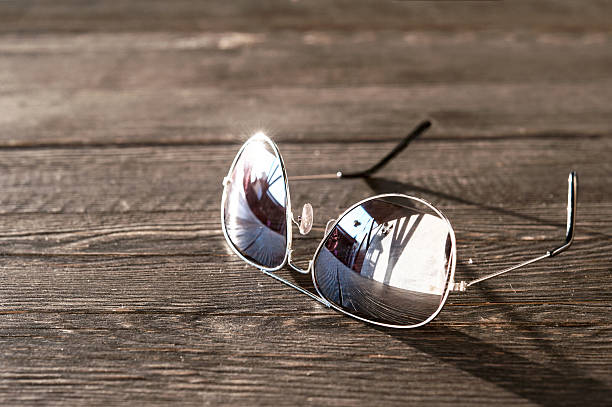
<point x="461" y="286"/>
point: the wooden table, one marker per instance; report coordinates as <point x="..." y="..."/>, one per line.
<point x="118" y="121"/>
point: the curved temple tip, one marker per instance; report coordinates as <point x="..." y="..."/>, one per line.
<point x="572" y="195"/>
<point x="425" y="124"/>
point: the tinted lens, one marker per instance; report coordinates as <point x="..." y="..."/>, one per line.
<point x="255" y="213"/>
<point x="387" y="260"/>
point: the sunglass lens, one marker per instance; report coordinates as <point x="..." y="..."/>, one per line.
<point x="255" y="206"/>
<point x="387" y="261"/>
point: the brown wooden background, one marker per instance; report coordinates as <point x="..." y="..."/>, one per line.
<point x="118" y="121"/>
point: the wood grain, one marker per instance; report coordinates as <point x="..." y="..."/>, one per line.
<point x="165" y="89"/>
<point x="70" y="16"/>
<point x="120" y="119"/>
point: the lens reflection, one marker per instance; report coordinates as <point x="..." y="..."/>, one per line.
<point x="255" y="205"/>
<point x="387" y="260"/>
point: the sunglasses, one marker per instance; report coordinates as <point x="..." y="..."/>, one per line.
<point x="388" y="260"/>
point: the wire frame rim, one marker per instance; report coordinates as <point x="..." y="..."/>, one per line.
<point x="449" y="281"/>
<point x="288" y="213"/>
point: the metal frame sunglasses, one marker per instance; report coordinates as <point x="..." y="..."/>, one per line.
<point x="388" y="260"/>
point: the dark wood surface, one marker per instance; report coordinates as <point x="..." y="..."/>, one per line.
<point x="118" y="121"/>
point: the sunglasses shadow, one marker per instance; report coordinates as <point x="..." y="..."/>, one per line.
<point x="381" y="185"/>
<point x="559" y="382"/>
<point x="544" y="384"/>
<point x="571" y="386"/>
<point x="555" y="383"/>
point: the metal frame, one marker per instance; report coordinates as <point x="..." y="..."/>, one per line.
<point x="289" y="219"/>
<point x="226" y="180"/>
<point x="450" y="284"/>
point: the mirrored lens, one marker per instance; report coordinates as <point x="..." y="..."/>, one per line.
<point x="387" y="260"/>
<point x="255" y="205"/>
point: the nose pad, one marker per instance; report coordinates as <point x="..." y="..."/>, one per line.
<point x="305" y="221"/>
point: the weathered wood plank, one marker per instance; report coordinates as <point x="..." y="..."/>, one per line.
<point x="187" y="15"/>
<point x="481" y="173"/>
<point x="199" y="232"/>
<point x="211" y="87"/>
<point x="115" y="320"/>
<point x="199" y="358"/>
<point x="223" y="284"/>
<point x="243" y="61"/>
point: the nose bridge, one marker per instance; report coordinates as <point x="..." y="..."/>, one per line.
<point x="307" y="217"/>
<point x="298" y="268"/>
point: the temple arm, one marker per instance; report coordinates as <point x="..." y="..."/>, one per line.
<point x="401" y="146"/>
<point x="418" y="130"/>
<point x="304" y="222"/>
<point x="572" y="192"/>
